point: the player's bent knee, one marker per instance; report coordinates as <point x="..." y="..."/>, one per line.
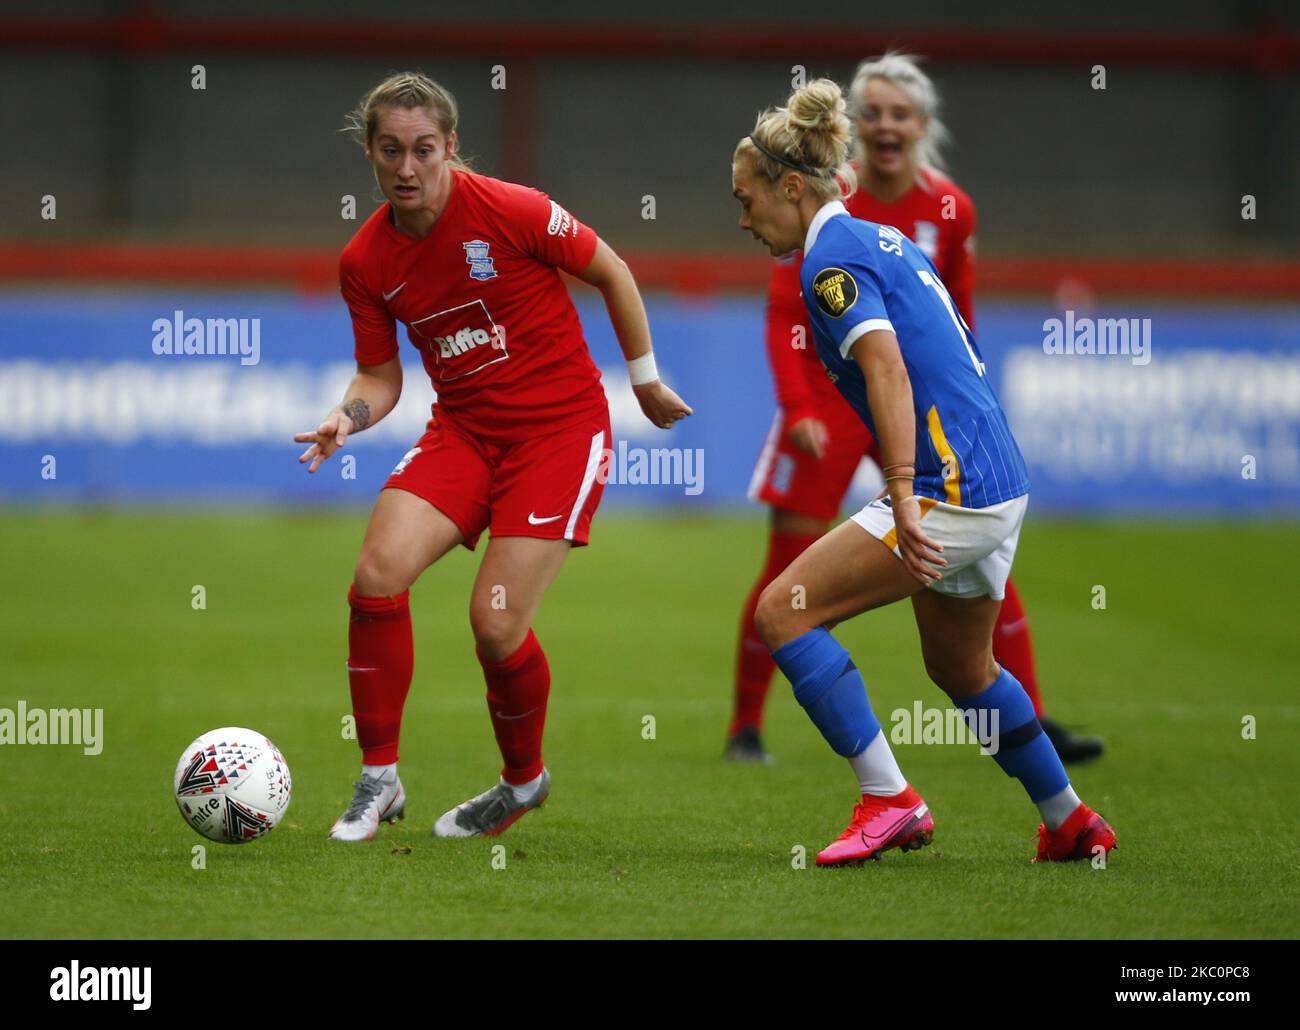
<point x="497" y="632"/>
<point x="957" y="679"/>
<point x="776" y="619"/>
<point x="765" y="617"/>
<point x="379" y="575"/>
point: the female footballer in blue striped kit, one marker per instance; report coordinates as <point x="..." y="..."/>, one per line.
<point x="899" y="352"/>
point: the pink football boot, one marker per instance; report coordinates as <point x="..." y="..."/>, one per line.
<point x="879" y="824"/>
<point x="1078" y="838"/>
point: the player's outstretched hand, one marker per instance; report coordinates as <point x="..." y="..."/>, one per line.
<point x="922" y="557"/>
<point x="811" y="436"/>
<point x="660" y="404"/>
<point x="329" y="436"/>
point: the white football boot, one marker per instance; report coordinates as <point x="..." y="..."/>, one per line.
<point x="492" y="812"/>
<point x="375" y="801"/>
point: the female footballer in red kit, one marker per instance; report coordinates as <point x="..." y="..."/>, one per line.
<point x="514" y="445"/>
<point x="816" y="441"/>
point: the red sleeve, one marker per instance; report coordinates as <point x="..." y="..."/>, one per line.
<point x="785" y="312"/>
<point x="959" y="273"/>
<point x="546" y="231"/>
<point x="873" y="451"/>
<point x="373" y="328"/>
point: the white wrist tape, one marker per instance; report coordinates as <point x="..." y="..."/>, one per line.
<point x="642" y="370"/>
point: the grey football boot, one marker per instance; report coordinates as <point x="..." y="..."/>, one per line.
<point x="492" y="812"/>
<point x="373" y="802"/>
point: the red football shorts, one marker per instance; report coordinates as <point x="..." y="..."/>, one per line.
<point x="786" y="477"/>
<point x="547" y="487"/>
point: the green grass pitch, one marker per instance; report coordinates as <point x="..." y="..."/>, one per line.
<point x="640" y="837"/>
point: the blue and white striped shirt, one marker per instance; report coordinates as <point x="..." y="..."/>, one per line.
<point x="859" y="276"/>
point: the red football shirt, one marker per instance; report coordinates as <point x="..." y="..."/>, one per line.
<point x="940" y="219"/>
<point x="484" y="305"/>
<point x="936" y="215"/>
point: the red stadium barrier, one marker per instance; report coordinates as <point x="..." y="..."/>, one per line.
<point x="144" y="32"/>
<point x="315" y="270"/>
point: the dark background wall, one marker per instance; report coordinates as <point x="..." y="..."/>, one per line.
<point x="1156" y="163"/>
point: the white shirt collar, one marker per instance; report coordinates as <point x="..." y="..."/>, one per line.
<point x="824" y="214"/>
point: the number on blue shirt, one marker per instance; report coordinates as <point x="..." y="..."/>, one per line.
<point x="939" y="288"/>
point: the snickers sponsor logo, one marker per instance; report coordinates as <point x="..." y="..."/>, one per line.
<point x="836" y="291"/>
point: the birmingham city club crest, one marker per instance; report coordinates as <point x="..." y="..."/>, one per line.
<point x="480" y="264"/>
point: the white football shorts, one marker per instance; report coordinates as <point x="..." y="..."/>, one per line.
<point x="979" y="543"/>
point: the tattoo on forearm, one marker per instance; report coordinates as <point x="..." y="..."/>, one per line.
<point x="359" y="411"/>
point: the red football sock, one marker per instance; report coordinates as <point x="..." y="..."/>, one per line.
<point x="754" y="665"/>
<point x="1012" y="647"/>
<point x="517" y="690"/>
<point x="381" y="658"/>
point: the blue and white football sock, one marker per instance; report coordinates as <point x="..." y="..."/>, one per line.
<point x="877" y="770"/>
<point x="1021" y="747"/>
<point x="828" y="685"/>
<point x="1059" y="807"/>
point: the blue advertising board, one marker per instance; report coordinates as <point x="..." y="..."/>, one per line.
<point x="1160" y="410"/>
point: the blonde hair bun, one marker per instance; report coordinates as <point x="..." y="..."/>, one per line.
<point x="811" y="131"/>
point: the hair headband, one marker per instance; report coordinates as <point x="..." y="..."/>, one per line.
<point x="781" y="160"/>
